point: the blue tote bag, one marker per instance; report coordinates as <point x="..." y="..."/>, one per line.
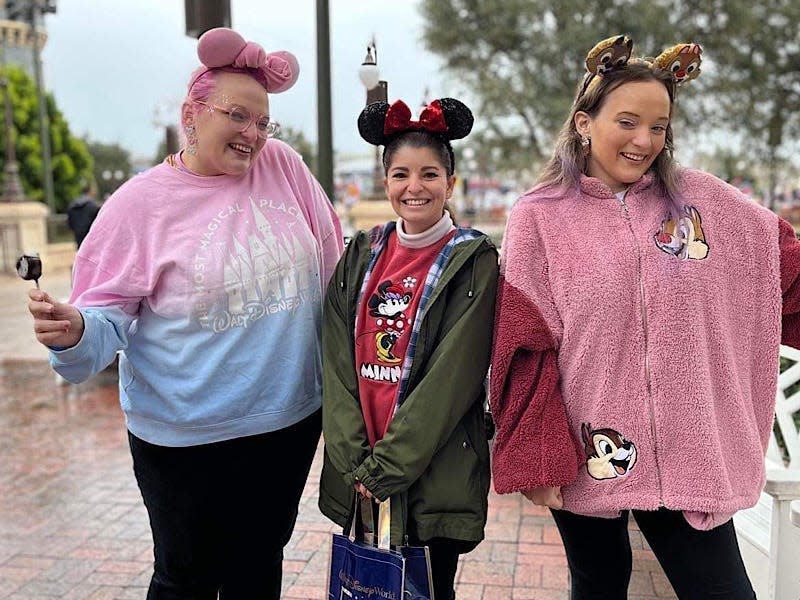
<point x="361" y="570"/>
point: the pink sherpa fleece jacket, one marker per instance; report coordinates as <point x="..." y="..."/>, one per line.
<point x="635" y="355"/>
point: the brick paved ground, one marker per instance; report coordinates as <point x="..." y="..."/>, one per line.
<point x="72" y="524"/>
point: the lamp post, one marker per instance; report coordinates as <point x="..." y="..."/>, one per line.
<point x="424" y="104"/>
<point x="165" y="114"/>
<point x="32" y="12"/>
<point x="37" y="10"/>
<point x="12" y="188"/>
<point x="324" y="110"/>
<point x="471" y="167"/>
<point x="377" y="91"/>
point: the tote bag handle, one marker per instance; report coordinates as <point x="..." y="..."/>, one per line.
<point x="363" y="507"/>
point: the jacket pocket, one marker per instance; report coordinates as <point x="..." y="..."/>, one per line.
<point x="457" y="480"/>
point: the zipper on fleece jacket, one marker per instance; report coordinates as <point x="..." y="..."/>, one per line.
<point x="643" y="314"/>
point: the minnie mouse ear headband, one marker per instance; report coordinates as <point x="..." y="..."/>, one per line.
<point x="682" y="60"/>
<point x="448" y="118"/>
<point x="226" y="50"/>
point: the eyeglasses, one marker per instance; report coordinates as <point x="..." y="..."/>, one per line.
<point x="240" y="118"/>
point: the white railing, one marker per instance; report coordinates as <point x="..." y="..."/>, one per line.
<point x="766" y="531"/>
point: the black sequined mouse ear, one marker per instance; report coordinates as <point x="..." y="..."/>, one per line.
<point x="371" y="122"/>
<point x="458" y="117"/>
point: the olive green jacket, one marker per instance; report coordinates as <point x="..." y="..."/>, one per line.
<point x="433" y="460"/>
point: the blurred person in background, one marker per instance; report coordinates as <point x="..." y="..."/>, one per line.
<point x="82" y="212"/>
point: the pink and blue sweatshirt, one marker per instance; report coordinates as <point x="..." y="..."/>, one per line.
<point x="211" y="288"/>
<point x="636" y="355"/>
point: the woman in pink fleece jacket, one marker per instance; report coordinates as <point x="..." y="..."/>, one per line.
<point x="639" y="315"/>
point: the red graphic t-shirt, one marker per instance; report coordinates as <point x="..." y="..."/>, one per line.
<point x="385" y="320"/>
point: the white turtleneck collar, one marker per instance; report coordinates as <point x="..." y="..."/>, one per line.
<point x="430" y="236"/>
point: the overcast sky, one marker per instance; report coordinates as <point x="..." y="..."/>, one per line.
<point x="112" y="64"/>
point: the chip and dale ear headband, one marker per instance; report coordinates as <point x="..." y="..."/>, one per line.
<point x="682" y="60"/>
<point x="223" y="48"/>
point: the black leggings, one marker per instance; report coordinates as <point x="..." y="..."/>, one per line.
<point x="444" y="554"/>
<point x="221" y="513"/>
<point x="700" y="565"/>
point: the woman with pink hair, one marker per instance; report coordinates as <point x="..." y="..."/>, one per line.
<point x="206" y="274"/>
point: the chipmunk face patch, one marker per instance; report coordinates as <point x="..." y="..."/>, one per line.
<point x="684" y="237"/>
<point x="611" y="53"/>
<point x="682" y="60"/>
<point x="608" y="454"/>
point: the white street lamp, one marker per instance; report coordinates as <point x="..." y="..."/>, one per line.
<point x="377" y="91"/>
<point x="368" y="72"/>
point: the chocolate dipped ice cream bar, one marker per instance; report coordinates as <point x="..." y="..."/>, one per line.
<point x="29" y="267"/>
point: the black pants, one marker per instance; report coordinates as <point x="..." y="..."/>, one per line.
<point x="701" y="565"/>
<point x="444" y="563"/>
<point x="221" y="513"/>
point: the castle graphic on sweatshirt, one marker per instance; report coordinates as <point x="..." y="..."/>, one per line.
<point x="264" y="265"/>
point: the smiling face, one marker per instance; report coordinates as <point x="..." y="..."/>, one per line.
<point x="609" y="455"/>
<point x="628" y="132"/>
<point x="221" y="149"/>
<point x="417" y="186"/>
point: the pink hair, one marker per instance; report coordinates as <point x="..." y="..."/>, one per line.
<point x="200" y="91"/>
<point x="205" y="85"/>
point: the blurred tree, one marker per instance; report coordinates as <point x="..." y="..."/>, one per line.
<point x="756" y="83"/>
<point x="112" y="166"/>
<point x="728" y="164"/>
<point x="521" y="59"/>
<point x="297" y="140"/>
<point x="71" y="161"/>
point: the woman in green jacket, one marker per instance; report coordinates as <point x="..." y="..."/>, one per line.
<point x="406" y="341"/>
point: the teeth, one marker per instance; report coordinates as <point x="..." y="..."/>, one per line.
<point x="637" y="157"/>
<point x="241" y="147"/>
<point x="414" y="202"/>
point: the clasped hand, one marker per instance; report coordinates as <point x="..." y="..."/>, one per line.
<point x="545" y="496"/>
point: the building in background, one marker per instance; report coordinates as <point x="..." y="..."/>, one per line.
<point x="16" y="38"/>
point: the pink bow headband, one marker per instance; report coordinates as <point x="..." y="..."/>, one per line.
<point x="223" y="48"/>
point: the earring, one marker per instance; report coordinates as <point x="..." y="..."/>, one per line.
<point x="586" y="144"/>
<point x="191" y="140"/>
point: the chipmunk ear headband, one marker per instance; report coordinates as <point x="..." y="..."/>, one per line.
<point x="223" y="48"/>
<point x="448" y="118"/>
<point x="682" y="60"/>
